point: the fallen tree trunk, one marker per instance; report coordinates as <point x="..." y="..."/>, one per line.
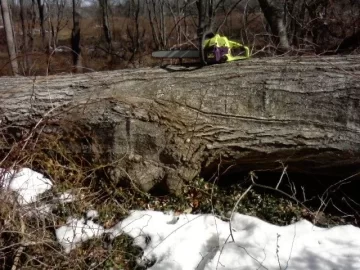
<point x="161" y="125"/>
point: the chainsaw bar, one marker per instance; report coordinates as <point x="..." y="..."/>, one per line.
<point x="176" y="54"/>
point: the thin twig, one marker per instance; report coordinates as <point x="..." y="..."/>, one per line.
<point x="281" y="177"/>
<point x="21" y="248"/>
<point x="235" y="207"/>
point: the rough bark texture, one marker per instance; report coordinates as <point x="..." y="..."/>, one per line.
<point x="75" y="39"/>
<point x="9" y="36"/>
<point x="105" y="21"/>
<point x="24" y="34"/>
<point x="205" y="20"/>
<point x="42" y="16"/>
<point x="274" y="13"/>
<point x="162" y="126"/>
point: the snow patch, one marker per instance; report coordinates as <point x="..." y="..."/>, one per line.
<point x="67" y="197"/>
<point x="92" y="214"/>
<point x="204" y="242"/>
<point x="27" y="183"/>
<point x="77" y="231"/>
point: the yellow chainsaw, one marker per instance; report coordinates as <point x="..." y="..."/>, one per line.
<point x="217" y="49"/>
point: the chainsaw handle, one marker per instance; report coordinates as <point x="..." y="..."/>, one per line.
<point x="205" y="34"/>
<point x="234" y="44"/>
<point x="247" y="51"/>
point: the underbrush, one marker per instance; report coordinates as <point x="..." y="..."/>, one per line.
<point x="27" y="239"/>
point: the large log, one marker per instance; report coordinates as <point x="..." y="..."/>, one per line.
<point x="168" y="125"/>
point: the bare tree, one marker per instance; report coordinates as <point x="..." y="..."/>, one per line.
<point x="206" y="12"/>
<point x="31" y="24"/>
<point x="75" y="37"/>
<point x="178" y="15"/>
<point x="9" y="36"/>
<point x="24" y="34"/>
<point x="41" y="7"/>
<point x="274" y="13"/>
<point x="320" y="25"/>
<point x="135" y="33"/>
<point x="104" y="5"/>
<point x="58" y="19"/>
<point x="156" y="13"/>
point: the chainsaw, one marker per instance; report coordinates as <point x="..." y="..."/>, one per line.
<point x="217" y="49"/>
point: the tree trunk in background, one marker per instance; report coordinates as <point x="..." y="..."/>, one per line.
<point x="50" y="27"/>
<point x="24" y="35"/>
<point x="154" y="126"/>
<point x="9" y="36"/>
<point x="200" y="28"/>
<point x="75" y="39"/>
<point x="134" y="34"/>
<point x="274" y="13"/>
<point x="157" y="16"/>
<point x="41" y="7"/>
<point x="205" y="10"/>
<point x="31" y="26"/>
<point x="106" y="27"/>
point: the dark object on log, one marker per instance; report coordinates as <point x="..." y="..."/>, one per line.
<point x="349" y="44"/>
<point x="167" y="127"/>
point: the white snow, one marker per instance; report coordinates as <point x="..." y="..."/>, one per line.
<point x="92" y="214"/>
<point x="77" y="231"/>
<point x="27" y="183"/>
<point x="204" y="242"/>
<point x="68" y="197"/>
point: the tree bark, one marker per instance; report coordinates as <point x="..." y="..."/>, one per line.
<point x="75" y="38"/>
<point x="274" y="13"/>
<point x="41" y="7"/>
<point x="31" y="26"/>
<point x="156" y="126"/>
<point x="24" y="35"/>
<point x="9" y="36"/>
<point x="205" y="10"/>
<point x="106" y="26"/>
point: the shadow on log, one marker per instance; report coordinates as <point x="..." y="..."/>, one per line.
<point x="155" y="126"/>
